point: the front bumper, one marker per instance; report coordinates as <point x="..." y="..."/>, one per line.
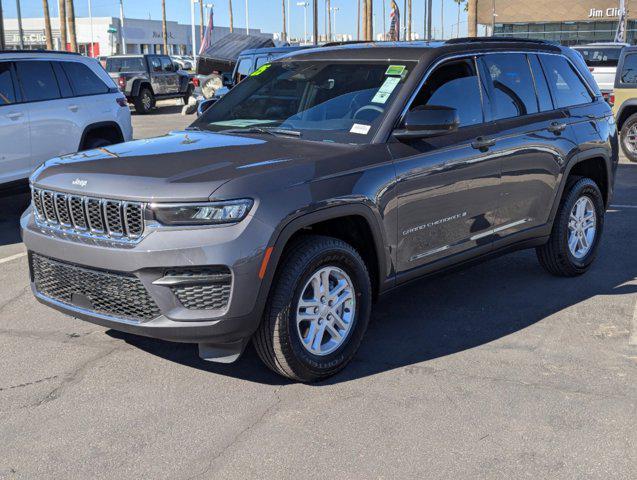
<point x="238" y="247"/>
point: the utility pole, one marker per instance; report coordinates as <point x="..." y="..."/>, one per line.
<point x="47" y="25"/>
<point x="472" y="18"/>
<point x="192" y="30"/>
<point x="408" y="21"/>
<point x="284" y="33"/>
<point x="384" y="26"/>
<point x="333" y="30"/>
<point x="358" y="20"/>
<point x="91" y="53"/>
<point x="328" y="31"/>
<point x="62" y="17"/>
<point x="230" y="11"/>
<point x="315" y="15"/>
<point x="430" y="7"/>
<point x="304" y="5"/>
<point x="442" y="19"/>
<point x="121" y="26"/>
<point x="164" y="31"/>
<point x="201" y="27"/>
<point x="370" y="20"/>
<point x="70" y="12"/>
<point x="2" y="47"/>
<point x="20" y="32"/>
<point x="247" y="18"/>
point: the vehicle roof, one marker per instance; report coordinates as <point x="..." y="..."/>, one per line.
<point x="416" y="50"/>
<point x="602" y="44"/>
<point x="132" y="55"/>
<point x="285" y="49"/>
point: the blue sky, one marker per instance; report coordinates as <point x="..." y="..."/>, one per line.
<point x="264" y="14"/>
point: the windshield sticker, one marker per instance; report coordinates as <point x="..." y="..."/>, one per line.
<point x="261" y="69"/>
<point x="395" y="70"/>
<point x="386" y="90"/>
<point x="241" y="123"/>
<point x="360" y="129"/>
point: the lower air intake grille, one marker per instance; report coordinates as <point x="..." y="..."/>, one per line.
<point x="203" y="288"/>
<point x="108" y="293"/>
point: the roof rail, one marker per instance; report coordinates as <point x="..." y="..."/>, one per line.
<point x="56" y="52"/>
<point x="498" y="39"/>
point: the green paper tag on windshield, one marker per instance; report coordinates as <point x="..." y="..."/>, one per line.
<point x="260" y="70"/>
<point x="395" y="70"/>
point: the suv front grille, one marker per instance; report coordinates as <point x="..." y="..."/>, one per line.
<point x="99" y="217"/>
<point x="109" y="293"/>
<point x="206" y="288"/>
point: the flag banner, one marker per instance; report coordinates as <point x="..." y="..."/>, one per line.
<point x="207" y="39"/>
<point x="394" y="27"/>
<point x="620" y="36"/>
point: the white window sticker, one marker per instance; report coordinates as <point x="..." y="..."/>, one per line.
<point x="360" y="129"/>
<point x="386" y="89"/>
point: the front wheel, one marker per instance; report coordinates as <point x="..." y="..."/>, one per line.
<point x="577" y="231"/>
<point x="317" y="312"/>
<point x="629" y="138"/>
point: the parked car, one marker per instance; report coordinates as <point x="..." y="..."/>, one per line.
<point x="624" y="101"/>
<point x="333" y="176"/>
<point x="602" y="60"/>
<point x="144" y="79"/>
<point x="182" y="62"/>
<point x="52" y="104"/>
<point x="248" y="62"/>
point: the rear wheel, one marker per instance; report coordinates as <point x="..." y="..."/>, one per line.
<point x="577" y="230"/>
<point x="145" y="101"/>
<point x="629" y="138"/>
<point x="318" y="310"/>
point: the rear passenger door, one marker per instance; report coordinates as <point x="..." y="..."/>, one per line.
<point x="531" y="141"/>
<point x="15" y="140"/>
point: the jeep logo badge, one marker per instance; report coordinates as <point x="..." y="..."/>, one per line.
<point x="79" y="182"/>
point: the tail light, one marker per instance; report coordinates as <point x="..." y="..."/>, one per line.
<point x="611" y="99"/>
<point x="591" y="69"/>
<point x="195" y="82"/>
<point x="121" y="101"/>
<point x="121" y="81"/>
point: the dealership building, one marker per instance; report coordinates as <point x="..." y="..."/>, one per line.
<point x="103" y="35"/>
<point x="569" y="22"/>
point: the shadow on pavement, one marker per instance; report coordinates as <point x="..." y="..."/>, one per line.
<point x="457" y="311"/>
<point x="160" y="110"/>
<point x="12" y="204"/>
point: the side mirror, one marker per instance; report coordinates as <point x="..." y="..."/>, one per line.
<point x="429" y="121"/>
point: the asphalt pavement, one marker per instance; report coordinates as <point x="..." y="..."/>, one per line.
<point x="496" y="371"/>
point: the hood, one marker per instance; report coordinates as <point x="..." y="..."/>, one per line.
<point x="180" y="166"/>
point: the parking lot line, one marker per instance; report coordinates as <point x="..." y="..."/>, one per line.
<point x="633" y="328"/>
<point x="13" y="257"/>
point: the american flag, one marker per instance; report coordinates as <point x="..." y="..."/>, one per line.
<point x="207" y="38"/>
<point x="394" y="27"/>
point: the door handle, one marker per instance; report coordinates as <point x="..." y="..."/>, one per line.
<point x="557" y="127"/>
<point x="73" y="108"/>
<point x="14" y="115"/>
<point x="482" y="143"/>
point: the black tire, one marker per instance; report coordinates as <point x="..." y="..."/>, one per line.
<point x="91" y="143"/>
<point x="628" y="124"/>
<point x="188" y="93"/>
<point x="277" y="340"/>
<point x="145" y="101"/>
<point x="555" y="256"/>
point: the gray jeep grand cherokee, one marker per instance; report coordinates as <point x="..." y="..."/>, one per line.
<point x="323" y="180"/>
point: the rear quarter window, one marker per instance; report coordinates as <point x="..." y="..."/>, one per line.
<point x="566" y="86"/>
<point x="628" y="74"/>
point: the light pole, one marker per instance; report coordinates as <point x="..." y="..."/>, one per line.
<point x="90" y="19"/>
<point x="247" y="18"/>
<point x="20" y="32"/>
<point x="121" y="21"/>
<point x="304" y="5"/>
<point x="192" y="31"/>
<point x="334" y="10"/>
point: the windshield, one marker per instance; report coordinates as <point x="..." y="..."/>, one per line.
<point x="327" y="101"/>
<point x="600" y="56"/>
<point x="129" y="64"/>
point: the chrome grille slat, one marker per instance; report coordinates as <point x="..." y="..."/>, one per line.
<point x="99" y="217"/>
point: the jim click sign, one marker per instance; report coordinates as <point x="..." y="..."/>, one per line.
<point x="612" y="12"/>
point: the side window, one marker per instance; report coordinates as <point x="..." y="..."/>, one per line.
<point x="83" y="80"/>
<point x="155" y="64"/>
<point x="63" y="81"/>
<point x="7" y="91"/>
<point x="542" y="88"/>
<point x="629" y="70"/>
<point x="512" y="84"/>
<point x="166" y="64"/>
<point x="37" y="80"/>
<point x="260" y="62"/>
<point x="566" y="86"/>
<point x="455" y="85"/>
<point x="243" y="69"/>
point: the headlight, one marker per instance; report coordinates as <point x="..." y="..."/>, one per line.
<point x="211" y="213"/>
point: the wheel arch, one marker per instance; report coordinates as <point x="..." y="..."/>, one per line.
<point x="628" y="108"/>
<point x="108" y="130"/>
<point x="138" y="84"/>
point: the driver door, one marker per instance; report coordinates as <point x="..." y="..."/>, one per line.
<point x="448" y="184"/>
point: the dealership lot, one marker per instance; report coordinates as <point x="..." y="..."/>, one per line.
<point x="497" y="371"/>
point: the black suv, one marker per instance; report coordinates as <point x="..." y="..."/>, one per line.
<point x="147" y="78"/>
<point x="323" y="180"/>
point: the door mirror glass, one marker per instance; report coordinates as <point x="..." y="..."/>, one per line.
<point x="428" y="121"/>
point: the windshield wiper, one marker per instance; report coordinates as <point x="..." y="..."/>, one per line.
<point x="267" y="130"/>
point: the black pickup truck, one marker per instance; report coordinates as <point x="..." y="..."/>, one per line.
<point x="147" y="78"/>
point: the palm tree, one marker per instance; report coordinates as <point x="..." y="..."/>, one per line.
<point x="459" y="2"/>
<point x="63" y="35"/>
<point x="201" y="27"/>
<point x="47" y="25"/>
<point x="284" y="34"/>
<point x="472" y="17"/>
<point x="408" y="13"/>
<point x="70" y="12"/>
<point x="370" y="20"/>
<point x="230" y="9"/>
<point x="163" y="26"/>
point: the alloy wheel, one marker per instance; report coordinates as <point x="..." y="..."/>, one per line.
<point x="582" y="227"/>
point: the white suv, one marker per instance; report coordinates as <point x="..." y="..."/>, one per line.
<point x="52" y="104"/>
